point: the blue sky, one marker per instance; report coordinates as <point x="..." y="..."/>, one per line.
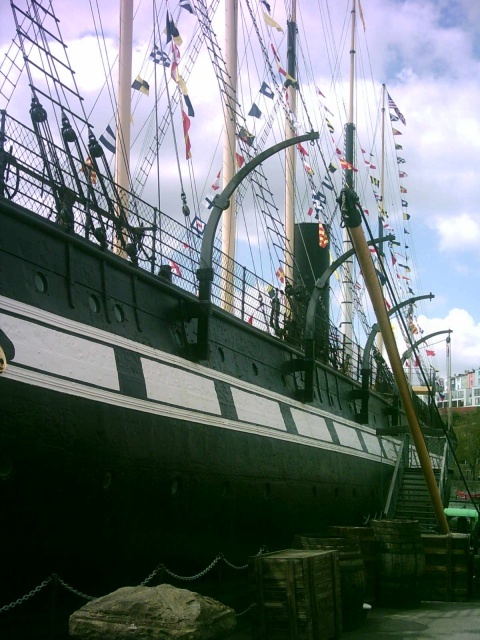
<point x="428" y="54"/>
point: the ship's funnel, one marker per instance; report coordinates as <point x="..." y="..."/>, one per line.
<point x="310" y="262"/>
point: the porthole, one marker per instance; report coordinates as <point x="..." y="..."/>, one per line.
<point x="119" y="313"/>
<point x="221" y="354"/>
<point x="254" y="369"/>
<point x="40" y="282"/>
<point x="94" y="303"/>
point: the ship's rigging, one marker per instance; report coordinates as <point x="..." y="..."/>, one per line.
<point x="320" y="95"/>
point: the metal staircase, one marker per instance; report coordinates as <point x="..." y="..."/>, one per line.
<point x="408" y="497"/>
<point x="414" y="500"/>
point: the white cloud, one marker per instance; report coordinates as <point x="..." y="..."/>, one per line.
<point x="465" y="339"/>
<point x="457" y="231"/>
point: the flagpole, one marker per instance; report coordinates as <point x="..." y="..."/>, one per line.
<point x="382" y="198"/>
<point x="449" y="384"/>
<point x="290" y="152"/>
<point x="229" y="147"/>
<point x="122" y="155"/>
<point x="347" y="302"/>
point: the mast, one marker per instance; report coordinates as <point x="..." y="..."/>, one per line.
<point x="382" y="199"/>
<point x="229" y="146"/>
<point x="449" y="383"/>
<point x="347" y="309"/>
<point x="290" y="152"/>
<point x="122" y="156"/>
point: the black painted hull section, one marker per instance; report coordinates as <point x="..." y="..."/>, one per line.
<point x="104" y="492"/>
<point x="101" y="493"/>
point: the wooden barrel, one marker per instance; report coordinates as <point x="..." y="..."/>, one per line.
<point x="365" y="537"/>
<point x="352" y="573"/>
<point x="400" y="562"/>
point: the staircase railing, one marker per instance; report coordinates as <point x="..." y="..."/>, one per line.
<point x="444" y="480"/>
<point x="397" y="478"/>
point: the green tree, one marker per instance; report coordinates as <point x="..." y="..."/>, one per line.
<point x="467" y="429"/>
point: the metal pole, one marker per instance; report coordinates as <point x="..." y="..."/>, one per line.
<point x="353" y="223"/>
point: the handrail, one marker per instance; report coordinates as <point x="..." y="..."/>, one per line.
<point x="397" y="478"/>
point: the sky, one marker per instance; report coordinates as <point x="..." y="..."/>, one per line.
<point x="427" y="52"/>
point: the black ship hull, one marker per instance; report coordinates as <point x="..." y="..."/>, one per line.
<point x="118" y="452"/>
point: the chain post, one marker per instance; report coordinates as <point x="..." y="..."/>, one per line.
<point x="53" y="605"/>
<point x="220" y="575"/>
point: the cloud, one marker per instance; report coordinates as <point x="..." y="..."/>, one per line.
<point x="465" y="339"/>
<point x="457" y="231"/>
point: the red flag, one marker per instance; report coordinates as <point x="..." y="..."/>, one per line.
<point x="216" y="183"/>
<point x="302" y="149"/>
<point x="275" y="53"/>
<point x="429" y="352"/>
<point x="250" y="320"/>
<point x="388" y="305"/>
<point x="186" y="127"/>
<point x="240" y="160"/>
<point x="175" y="268"/>
<point x="280" y="274"/>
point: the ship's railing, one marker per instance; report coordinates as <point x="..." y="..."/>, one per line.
<point x="81" y="196"/>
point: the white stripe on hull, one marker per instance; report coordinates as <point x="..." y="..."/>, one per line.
<point x="172" y="390"/>
<point x="253" y="408"/>
<point x="179" y="387"/>
<point x="60" y="353"/>
<point x="311" y="425"/>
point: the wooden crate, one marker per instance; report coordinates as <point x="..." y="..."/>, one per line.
<point x="447" y="572"/>
<point x="297" y="593"/>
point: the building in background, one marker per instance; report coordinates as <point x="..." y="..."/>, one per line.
<point x="464" y="389"/>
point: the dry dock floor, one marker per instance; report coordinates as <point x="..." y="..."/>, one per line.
<point x="429" y="621"/>
<point x="435" y="620"/>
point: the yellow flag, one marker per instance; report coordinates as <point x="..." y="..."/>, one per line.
<point x="182" y="85"/>
<point x="270" y="22"/>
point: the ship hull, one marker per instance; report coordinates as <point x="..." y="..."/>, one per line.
<point x="101" y="489"/>
<point x="119" y="452"/>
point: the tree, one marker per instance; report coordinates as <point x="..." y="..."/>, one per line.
<point x="467" y="429"/>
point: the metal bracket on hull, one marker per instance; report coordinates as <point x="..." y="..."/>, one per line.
<point x="205" y="271"/>
<point x="309" y="340"/>
<point x="364" y="393"/>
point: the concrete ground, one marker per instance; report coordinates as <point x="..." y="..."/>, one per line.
<point x="429" y="621"/>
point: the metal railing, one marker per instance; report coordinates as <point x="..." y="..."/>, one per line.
<point x="80" y="196"/>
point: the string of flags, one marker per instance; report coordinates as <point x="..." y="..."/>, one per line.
<point x="159" y="55"/>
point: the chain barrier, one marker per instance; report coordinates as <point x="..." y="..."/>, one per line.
<point x="242" y="613"/>
<point x="197" y="575"/>
<point x="160" y="567"/>
<point x="27" y="596"/>
<point x="72" y="590"/>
